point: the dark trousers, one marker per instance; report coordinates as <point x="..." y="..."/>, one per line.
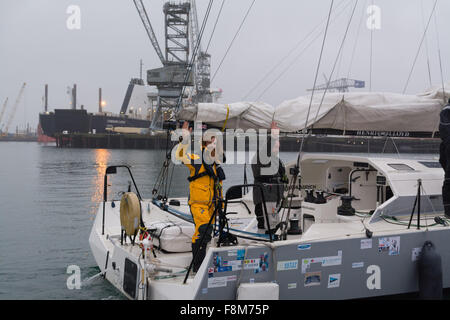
<point x="444" y="159"/>
<point x="259" y="215"/>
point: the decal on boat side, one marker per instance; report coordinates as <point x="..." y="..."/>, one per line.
<point x="334" y="280"/>
<point x="366" y="244"/>
<point x="313" y="279"/>
<point x="374" y="280"/>
<point x="303" y="247"/>
<point x="356" y="265"/>
<point x="287" y="265"/>
<point x="325" y="261"/>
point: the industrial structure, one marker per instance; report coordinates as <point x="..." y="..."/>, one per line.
<point x="184" y="64"/>
<point x="340" y="85"/>
<point x="6" y="125"/>
<point x="184" y="78"/>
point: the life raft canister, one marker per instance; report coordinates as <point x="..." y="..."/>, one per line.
<point x="130" y="213"/>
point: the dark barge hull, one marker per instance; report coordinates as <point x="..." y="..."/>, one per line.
<point x="287" y="143"/>
<point x="80" y="121"/>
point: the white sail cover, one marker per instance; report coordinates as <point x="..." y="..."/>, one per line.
<point x="367" y="111"/>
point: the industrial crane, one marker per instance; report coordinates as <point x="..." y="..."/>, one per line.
<point x="148" y="27"/>
<point x="3" y="110"/>
<point x="170" y="79"/>
<point x="202" y="63"/>
<point x="341" y="85"/>
<point x="14" y="109"/>
<point x="181" y="23"/>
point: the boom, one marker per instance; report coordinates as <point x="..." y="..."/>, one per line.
<point x="195" y="33"/>
<point x="148" y="27"/>
<point x="14" y="109"/>
<point x="3" y="110"/>
<point x="341" y="85"/>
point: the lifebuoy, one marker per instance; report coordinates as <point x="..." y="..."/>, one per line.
<point x="130" y="213"/>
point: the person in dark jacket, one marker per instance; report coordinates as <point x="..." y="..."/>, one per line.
<point x="271" y="176"/>
<point x="444" y="155"/>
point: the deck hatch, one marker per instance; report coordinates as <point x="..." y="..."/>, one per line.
<point x="431" y="164"/>
<point x="400" y="167"/>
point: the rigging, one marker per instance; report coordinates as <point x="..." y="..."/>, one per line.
<point x="232" y="41"/>
<point x="296" y="58"/>
<point x="420" y="46"/>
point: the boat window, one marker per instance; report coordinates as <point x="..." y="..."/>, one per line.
<point x="400" y="166"/>
<point x="431" y="164"/>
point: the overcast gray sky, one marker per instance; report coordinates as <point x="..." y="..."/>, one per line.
<point x="37" y="47"/>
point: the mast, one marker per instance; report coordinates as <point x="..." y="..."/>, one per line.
<point x="46" y="98"/>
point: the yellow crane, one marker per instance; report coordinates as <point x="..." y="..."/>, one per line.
<point x="14" y="109"/>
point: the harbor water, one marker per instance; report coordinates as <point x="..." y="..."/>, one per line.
<point x="48" y="200"/>
<point x="49" y="197"/>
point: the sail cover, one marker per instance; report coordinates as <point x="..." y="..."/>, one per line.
<point x="345" y="112"/>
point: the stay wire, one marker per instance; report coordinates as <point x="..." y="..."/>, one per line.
<point x="284" y="58"/>
<point x="440" y="58"/>
<point x="232" y="41"/>
<point x="371" y="54"/>
<point x="335" y="62"/>
<point x="284" y="227"/>
<point x="420" y="46"/>
<point x="215" y="25"/>
<point x="289" y="66"/>
<point x="356" y="40"/>
<point x="315" y="83"/>
<point x="426" y="44"/>
<point x="194" y="54"/>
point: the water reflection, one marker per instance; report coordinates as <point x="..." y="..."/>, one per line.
<point x="102" y="157"/>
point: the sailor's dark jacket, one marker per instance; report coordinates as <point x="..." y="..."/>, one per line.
<point x="273" y="185"/>
<point x="444" y="125"/>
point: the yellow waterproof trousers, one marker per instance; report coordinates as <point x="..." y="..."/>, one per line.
<point x="202" y="214"/>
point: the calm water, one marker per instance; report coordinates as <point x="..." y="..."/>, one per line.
<point x="48" y="200"/>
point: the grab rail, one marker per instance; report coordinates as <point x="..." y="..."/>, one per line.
<point x="113" y="170"/>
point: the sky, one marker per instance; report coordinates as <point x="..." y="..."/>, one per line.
<point x="37" y="47"/>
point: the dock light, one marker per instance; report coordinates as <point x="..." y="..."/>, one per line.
<point x="103" y="103"/>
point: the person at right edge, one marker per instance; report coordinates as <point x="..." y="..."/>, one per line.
<point x="444" y="155"/>
<point x="205" y="189"/>
<point x="273" y="183"/>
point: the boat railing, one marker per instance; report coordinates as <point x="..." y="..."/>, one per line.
<point x="109" y="171"/>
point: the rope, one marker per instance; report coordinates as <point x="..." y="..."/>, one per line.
<point x="226" y="119"/>
<point x="232" y="41"/>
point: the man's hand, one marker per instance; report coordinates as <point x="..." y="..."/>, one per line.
<point x="185" y="131"/>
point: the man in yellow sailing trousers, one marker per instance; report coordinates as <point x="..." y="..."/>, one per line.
<point x="205" y="188"/>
